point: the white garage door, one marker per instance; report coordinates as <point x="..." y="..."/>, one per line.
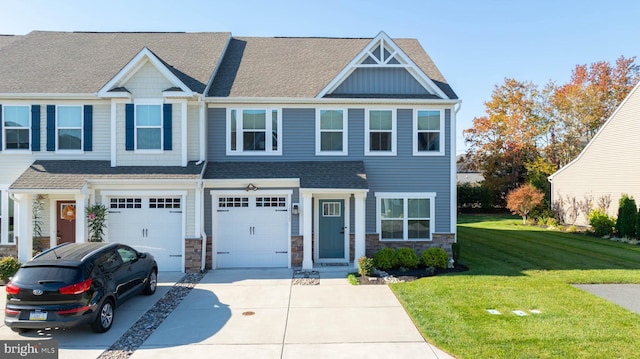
<point x="252" y="231"/>
<point x="149" y="224"/>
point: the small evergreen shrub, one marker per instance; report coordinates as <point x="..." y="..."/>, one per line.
<point x="638" y="226"/>
<point x="627" y="213"/>
<point x="365" y="266"/>
<point x="551" y="222"/>
<point x="435" y="257"/>
<point x="8" y="267"/>
<point x="408" y="258"/>
<point x="386" y="258"/>
<point x="572" y="229"/>
<point x="455" y="251"/>
<point x="601" y="223"/>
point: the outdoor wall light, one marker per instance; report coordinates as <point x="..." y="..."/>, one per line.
<point x="295" y="209"/>
<point x="251" y="187"/>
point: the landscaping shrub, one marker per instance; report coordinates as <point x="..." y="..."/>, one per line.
<point x="627" y="213"/>
<point x="455" y="251"/>
<point x="435" y="257"/>
<point x="365" y="266"/>
<point x="8" y="267"/>
<point x="601" y="223"/>
<point x="572" y="229"/>
<point x="638" y="225"/>
<point x="408" y="258"/>
<point x="386" y="258"/>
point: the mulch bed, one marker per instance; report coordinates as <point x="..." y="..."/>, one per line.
<point x="410" y="275"/>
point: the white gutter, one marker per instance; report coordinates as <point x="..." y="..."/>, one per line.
<point x="307" y="101"/>
<point x="202" y="112"/>
<point x="50" y="96"/>
<point x="200" y="201"/>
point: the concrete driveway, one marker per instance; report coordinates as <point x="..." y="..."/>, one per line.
<point x="261" y="314"/>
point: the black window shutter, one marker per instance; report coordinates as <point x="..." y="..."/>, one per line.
<point x="51" y="128"/>
<point x="35" y="127"/>
<point x="166" y="126"/>
<point x="129" y="126"/>
<point x="88" y="127"/>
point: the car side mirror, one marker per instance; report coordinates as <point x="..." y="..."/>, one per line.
<point x="142" y="255"/>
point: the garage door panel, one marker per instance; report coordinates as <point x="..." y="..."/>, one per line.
<point x="149" y="224"/>
<point x="252" y="232"/>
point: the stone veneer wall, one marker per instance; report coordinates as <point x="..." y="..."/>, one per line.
<point x="193" y="255"/>
<point x="10" y="250"/>
<point x="440" y="240"/>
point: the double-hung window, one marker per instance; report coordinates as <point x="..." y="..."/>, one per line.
<point x="405" y="216"/>
<point x="380" y="137"/>
<point x="69" y="127"/>
<point x="148" y="125"/>
<point x="254" y="132"/>
<point x="428" y="134"/>
<point x="17" y="129"/>
<point x="331" y="132"/>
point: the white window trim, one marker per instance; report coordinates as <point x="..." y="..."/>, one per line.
<point x="148" y="102"/>
<point x="268" y="130"/>
<point x="345" y="134"/>
<point x="394" y="134"/>
<point x="431" y="196"/>
<point x="81" y="149"/>
<point x="440" y="151"/>
<point x="4" y="128"/>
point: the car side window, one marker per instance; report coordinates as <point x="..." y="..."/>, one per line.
<point x="127" y="254"/>
<point x="109" y="261"/>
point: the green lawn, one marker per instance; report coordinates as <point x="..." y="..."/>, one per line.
<point x="517" y="267"/>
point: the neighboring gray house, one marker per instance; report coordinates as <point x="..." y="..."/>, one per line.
<point x="221" y="151"/>
<point x="608" y="167"/>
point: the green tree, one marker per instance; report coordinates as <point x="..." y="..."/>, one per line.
<point x="627" y="216"/>
<point x="523" y="200"/>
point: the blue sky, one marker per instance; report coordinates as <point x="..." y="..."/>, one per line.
<point x="476" y="44"/>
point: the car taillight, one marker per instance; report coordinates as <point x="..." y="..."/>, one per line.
<point x="74" y="310"/>
<point x="11" y="312"/>
<point x="77" y="288"/>
<point x="12" y="288"/>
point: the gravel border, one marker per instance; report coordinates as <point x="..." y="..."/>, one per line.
<point x="133" y="338"/>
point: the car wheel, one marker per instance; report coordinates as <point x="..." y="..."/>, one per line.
<point x="20" y="330"/>
<point x="104" y="319"/>
<point x="152" y="283"/>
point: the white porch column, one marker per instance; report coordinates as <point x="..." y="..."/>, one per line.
<point x="307" y="213"/>
<point x="81" y="218"/>
<point x="24" y="230"/>
<point x="359" y="225"/>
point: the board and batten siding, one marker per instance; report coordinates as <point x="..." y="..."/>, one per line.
<point x="609" y="165"/>
<point x="380" y="81"/>
<point x="401" y="173"/>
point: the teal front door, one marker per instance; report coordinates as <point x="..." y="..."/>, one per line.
<point x="331" y="227"/>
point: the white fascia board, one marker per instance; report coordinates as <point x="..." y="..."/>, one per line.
<point x="46" y="191"/>
<point x="333" y="190"/>
<point x="250" y="101"/>
<point x="258" y="182"/>
<point x="143" y="182"/>
<point x="550" y="178"/>
<point x="134" y="65"/>
<point x="122" y="94"/>
<point x="50" y="96"/>
<point x="179" y="94"/>
<point x="413" y="69"/>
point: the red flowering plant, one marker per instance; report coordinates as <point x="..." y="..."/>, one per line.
<point x="96" y="220"/>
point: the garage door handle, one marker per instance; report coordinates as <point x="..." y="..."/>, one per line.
<point x="223" y="252"/>
<point x="175" y="255"/>
<point x="282" y="210"/>
<point x="115" y="211"/>
<point x="175" y="211"/>
<point x="223" y="210"/>
<point x="282" y="252"/>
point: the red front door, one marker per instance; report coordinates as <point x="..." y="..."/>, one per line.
<point x="66" y="221"/>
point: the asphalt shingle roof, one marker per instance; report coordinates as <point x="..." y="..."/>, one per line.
<point x="83" y="62"/>
<point x="312" y="174"/>
<point x="5" y="40"/>
<point x="299" y="67"/>
<point x="74" y="174"/>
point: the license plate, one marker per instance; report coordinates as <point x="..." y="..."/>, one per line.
<point x="38" y="316"/>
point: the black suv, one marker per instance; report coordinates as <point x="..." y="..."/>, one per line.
<point x="77" y="283"/>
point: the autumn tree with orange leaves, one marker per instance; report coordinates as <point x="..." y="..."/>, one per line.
<point x="529" y="132"/>
<point x="523" y="200"/>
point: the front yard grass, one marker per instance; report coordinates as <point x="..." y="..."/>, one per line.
<point x="517" y="267"/>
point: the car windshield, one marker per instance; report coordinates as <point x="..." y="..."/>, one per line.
<point x="47" y="274"/>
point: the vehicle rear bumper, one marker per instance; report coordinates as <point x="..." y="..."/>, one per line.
<point x="57" y="322"/>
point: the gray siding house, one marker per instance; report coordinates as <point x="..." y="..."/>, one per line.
<point x="214" y="151"/>
<point x="607" y="167"/>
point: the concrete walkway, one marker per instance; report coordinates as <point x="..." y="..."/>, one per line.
<point x="260" y="314"/>
<point x="624" y="295"/>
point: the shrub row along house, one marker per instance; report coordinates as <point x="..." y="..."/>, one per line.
<point x="217" y="151"/>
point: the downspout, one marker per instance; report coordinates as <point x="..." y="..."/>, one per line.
<point x="454" y="189"/>
<point x="203" y="130"/>
<point x="203" y="235"/>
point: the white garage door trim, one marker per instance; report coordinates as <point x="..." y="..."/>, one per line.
<point x="215" y="194"/>
<point x="106" y="195"/>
